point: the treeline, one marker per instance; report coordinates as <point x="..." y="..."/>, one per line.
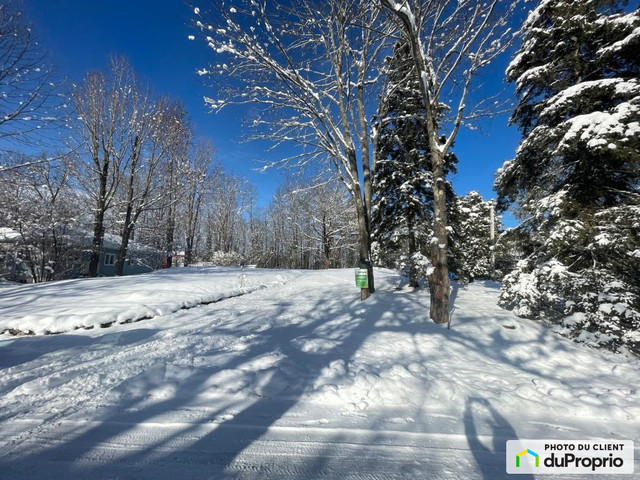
<point x="179" y="204"/>
<point x="120" y="168"/>
<point x="199" y="213"/>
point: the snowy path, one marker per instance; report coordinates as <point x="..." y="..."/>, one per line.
<point x="301" y="380"/>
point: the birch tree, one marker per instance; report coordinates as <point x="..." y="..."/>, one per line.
<point x="308" y="69"/>
<point x="450" y="43"/>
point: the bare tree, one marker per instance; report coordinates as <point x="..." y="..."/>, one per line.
<point x="102" y="106"/>
<point x="198" y="178"/>
<point x="175" y="161"/>
<point x="450" y="43"/>
<point x="310" y="65"/>
<point x="310" y="223"/>
<point x="138" y="168"/>
<point x="37" y="202"/>
<point x="230" y="200"/>
<point x="327" y="223"/>
<point x="29" y="97"/>
<point x="155" y="126"/>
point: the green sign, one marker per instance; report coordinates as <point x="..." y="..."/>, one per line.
<point x="362" y="278"/>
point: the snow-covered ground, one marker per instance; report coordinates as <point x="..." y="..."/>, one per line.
<point x="288" y="376"/>
<point x="64" y="306"/>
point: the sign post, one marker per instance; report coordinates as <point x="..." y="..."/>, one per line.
<point x="362" y="279"/>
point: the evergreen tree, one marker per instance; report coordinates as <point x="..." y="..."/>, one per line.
<point x="575" y="177"/>
<point x="402" y="213"/>
<point x="474" y="256"/>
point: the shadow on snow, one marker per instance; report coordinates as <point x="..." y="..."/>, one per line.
<point x="214" y="451"/>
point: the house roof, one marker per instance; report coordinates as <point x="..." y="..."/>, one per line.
<point x="8" y="235"/>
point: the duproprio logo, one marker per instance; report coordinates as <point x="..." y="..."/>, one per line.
<point x="530" y="452"/>
<point x="549" y="456"/>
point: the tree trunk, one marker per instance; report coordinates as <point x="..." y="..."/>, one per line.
<point x="364" y="243"/>
<point x="188" y="252"/>
<point x="122" y="255"/>
<point x="98" y="239"/>
<point x="127" y="226"/>
<point x="124" y="245"/>
<point x="101" y="207"/>
<point x="326" y="243"/>
<point x="439" y="279"/>
<point x="43" y="250"/>
<point x="169" y="238"/>
<point x="413" y="270"/>
<point x="171" y="221"/>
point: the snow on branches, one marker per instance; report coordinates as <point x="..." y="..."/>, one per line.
<point x="576" y="172"/>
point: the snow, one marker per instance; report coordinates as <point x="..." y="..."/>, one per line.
<point x="574" y="93"/>
<point x="591" y="127"/>
<point x="89" y="303"/>
<point x="296" y="378"/>
<point x="615" y="47"/>
<point x="8" y="235"/>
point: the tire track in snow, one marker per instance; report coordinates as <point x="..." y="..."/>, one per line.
<point x="85" y="379"/>
<point x="284" y="452"/>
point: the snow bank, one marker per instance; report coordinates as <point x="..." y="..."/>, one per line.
<point x="99" y="302"/>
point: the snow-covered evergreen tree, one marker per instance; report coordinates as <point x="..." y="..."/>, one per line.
<point x="576" y="174"/>
<point x="402" y="213"/>
<point x="474" y="245"/>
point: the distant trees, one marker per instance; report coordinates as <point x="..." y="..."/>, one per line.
<point x="309" y="224"/>
<point x="228" y="204"/>
<point x="38" y="204"/>
<point x="330" y="225"/>
<point x="307" y="67"/>
<point x="199" y="179"/>
<point x="576" y="175"/>
<point x="137" y="172"/>
<point x="104" y="107"/>
<point x="132" y="172"/>
<point x="35" y="196"/>
<point x="136" y="157"/>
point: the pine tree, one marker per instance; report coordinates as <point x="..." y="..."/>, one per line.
<point x="474" y="246"/>
<point x="402" y="212"/>
<point x="576" y="174"/>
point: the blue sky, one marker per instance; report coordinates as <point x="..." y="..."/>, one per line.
<point x="152" y="34"/>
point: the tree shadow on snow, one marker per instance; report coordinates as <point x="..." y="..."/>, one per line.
<point x="282" y="363"/>
<point x="218" y="440"/>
